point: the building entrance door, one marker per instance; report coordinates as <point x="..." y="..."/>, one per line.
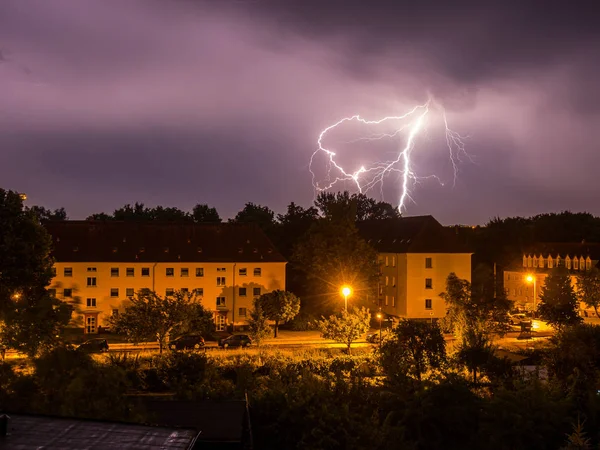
<point x="220" y="322"/>
<point x="91" y="324"/>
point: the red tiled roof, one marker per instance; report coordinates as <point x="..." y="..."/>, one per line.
<point x="114" y="241"/>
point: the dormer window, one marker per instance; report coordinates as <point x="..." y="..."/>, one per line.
<point x="588" y="263"/>
<point x="550" y="262"/>
<point x="166" y="249"/>
<point x="575" y="263"/>
<point x="524" y="261"/>
<point x="535" y="261"/>
<point x="529" y="261"/>
<point x="568" y="262"/>
<point x="558" y="261"/>
<point x="581" y="263"/>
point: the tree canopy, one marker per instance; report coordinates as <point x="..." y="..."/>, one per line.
<point x="588" y="288"/>
<point x="280" y="306"/>
<point x="347" y="326"/>
<point x="558" y="303"/>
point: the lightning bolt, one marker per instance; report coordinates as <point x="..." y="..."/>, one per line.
<point x="410" y="124"/>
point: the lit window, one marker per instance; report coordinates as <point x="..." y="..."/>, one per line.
<point x="199" y="271"/>
<point x="129" y="292"/>
<point x="428" y="263"/>
<point x="114" y="271"/>
<point x="170" y="272"/>
<point x="576" y="264"/>
<point x="91" y="302"/>
<point x="393" y="300"/>
<point x="114" y="292"/>
<point x="568" y="262"/>
<point x="256" y="292"/>
<point x="243" y="272"/>
<point x="199" y="292"/>
<point x="387" y="281"/>
<point x="428" y="283"/>
<point x="394" y="261"/>
<point x="68" y="293"/>
<point x="588" y="264"/>
<point x="535" y="261"/>
<point x="145" y="271"/>
<point x="68" y="272"/>
<point x="258" y="272"/>
<point x="386" y="300"/>
<point x="220" y="302"/>
<point x="428" y="303"/>
<point x="91" y="282"/>
<point x="393" y="281"/>
<point x="242" y="312"/>
<point x="220" y="281"/>
<point x="550" y="262"/>
<point x="242" y="292"/>
<point x="386" y="261"/>
<point x="130" y="272"/>
<point x="169" y="292"/>
<point x="185" y="272"/>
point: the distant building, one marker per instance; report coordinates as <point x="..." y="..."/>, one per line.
<point x="416" y="254"/>
<point x="525" y="278"/>
<point x="100" y="264"/>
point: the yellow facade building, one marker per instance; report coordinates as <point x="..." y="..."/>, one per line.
<point x="525" y="278"/>
<point x="416" y="255"/>
<point x="100" y="264"/>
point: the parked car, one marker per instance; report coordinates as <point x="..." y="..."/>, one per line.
<point x="187" y="342"/>
<point x="235" y="340"/>
<point x="516" y="319"/>
<point x="373" y="338"/>
<point x="97" y="345"/>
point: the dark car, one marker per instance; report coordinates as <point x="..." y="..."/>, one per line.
<point x="94" y="346"/>
<point x="187" y="342"/>
<point x="236" y="340"/>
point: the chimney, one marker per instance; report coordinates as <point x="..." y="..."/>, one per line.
<point x="4" y="423"/>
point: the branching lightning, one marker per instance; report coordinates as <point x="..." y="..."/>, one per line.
<point x="410" y="125"/>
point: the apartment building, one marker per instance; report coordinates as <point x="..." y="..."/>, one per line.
<point x="100" y="264"/>
<point x="525" y="278"/>
<point x="416" y="254"/>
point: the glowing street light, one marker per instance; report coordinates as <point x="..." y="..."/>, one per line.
<point x="531" y="279"/>
<point x="380" y="317"/>
<point x="346" y="292"/>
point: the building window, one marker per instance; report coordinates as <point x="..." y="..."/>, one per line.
<point x="550" y="262"/>
<point x="535" y="261"/>
<point x="199" y="271"/>
<point x="170" y="272"/>
<point x="576" y="264"/>
<point x="145" y="271"/>
<point x="242" y="292"/>
<point x="68" y="271"/>
<point x="169" y="292"/>
<point x="114" y="292"/>
<point x="256" y="292"/>
<point x="115" y="313"/>
<point x="258" y="272"/>
<point x="428" y="303"/>
<point x="91" y="269"/>
<point x="393" y="281"/>
<point x="91" y="282"/>
<point x="52" y="292"/>
<point x="581" y="263"/>
<point x="558" y="261"/>
<point x="242" y="312"/>
<point x="243" y="272"/>
<point x="199" y="292"/>
<point x="129" y="292"/>
<point x="68" y="293"/>
<point x="428" y="283"/>
<point x="428" y="263"/>
<point x="387" y="281"/>
<point x="185" y="272"/>
<point x="90" y="325"/>
<point x="114" y="271"/>
<point x="529" y="261"/>
<point x="220" y="302"/>
<point x="394" y="261"/>
<point x="588" y="264"/>
<point x="508" y="276"/>
<point x="524" y="261"/>
<point x="221" y="269"/>
<point x="386" y="262"/>
<point x="514" y="292"/>
<point x="393" y="300"/>
<point x="386" y="300"/>
<point x="568" y="262"/>
<point x="130" y="272"/>
<point x="91" y="302"/>
<point x="220" y="281"/>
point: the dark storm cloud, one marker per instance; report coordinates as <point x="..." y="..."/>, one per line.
<point x="177" y="102"/>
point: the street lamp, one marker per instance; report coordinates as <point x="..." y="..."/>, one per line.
<point x="380" y="317"/>
<point x="346" y="292"/>
<point x="531" y="279"/>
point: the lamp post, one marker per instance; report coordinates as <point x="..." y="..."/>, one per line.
<point x="346" y="292"/>
<point x="533" y="279"/>
<point x="380" y="317"/>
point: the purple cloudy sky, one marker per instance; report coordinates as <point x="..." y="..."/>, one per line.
<point x="178" y="102"/>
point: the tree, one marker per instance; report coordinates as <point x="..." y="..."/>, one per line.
<point x="558" y="303"/>
<point x="31" y="318"/>
<point x="138" y="212"/>
<point x="347" y="326"/>
<point x="475" y="351"/>
<point x="44" y="214"/>
<point x="588" y="288"/>
<point x="199" y="320"/>
<point x="332" y="255"/>
<point x="280" y="306"/>
<point x="355" y="207"/>
<point x="480" y="306"/>
<point x="257" y="214"/>
<point x="202" y="213"/>
<point x="150" y="316"/>
<point x="413" y="348"/>
<point x="258" y="326"/>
